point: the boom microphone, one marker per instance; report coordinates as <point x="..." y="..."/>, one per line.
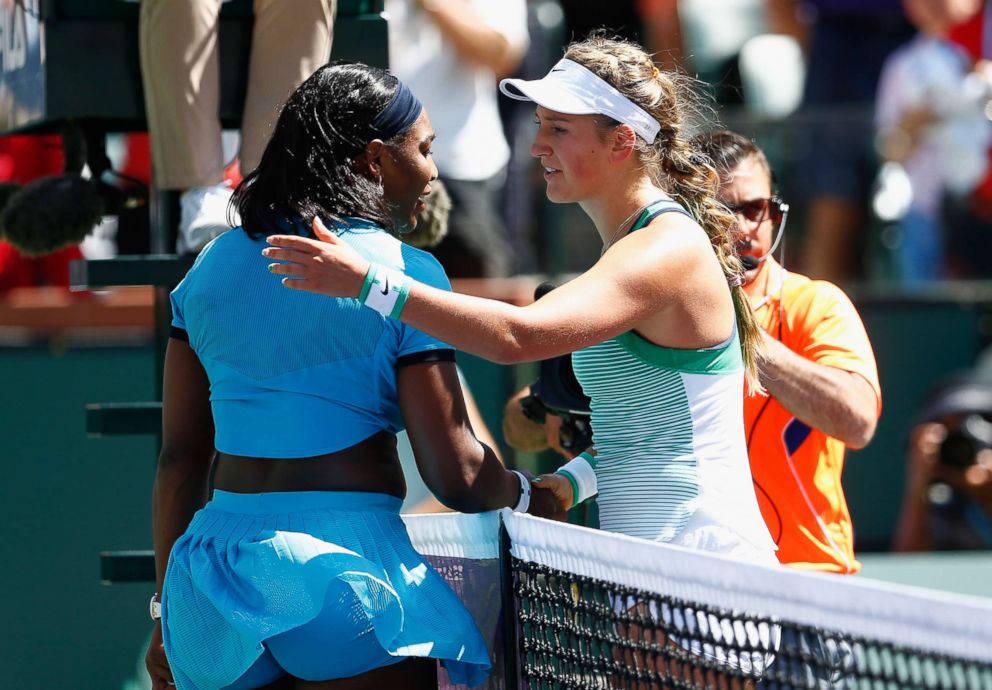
<point x="751" y="262"/>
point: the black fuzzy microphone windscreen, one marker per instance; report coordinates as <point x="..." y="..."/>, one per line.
<point x="51" y="213"/>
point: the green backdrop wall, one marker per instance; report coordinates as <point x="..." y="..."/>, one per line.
<point x="64" y="498"/>
<point x="917" y="340"/>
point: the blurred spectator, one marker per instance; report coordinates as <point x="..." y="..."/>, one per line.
<point x="968" y="219"/>
<point x="932" y="128"/>
<point x="181" y="78"/>
<point x="727" y="44"/>
<point x="450" y="52"/>
<point x="848" y="42"/>
<point x="947" y="497"/>
<point x="662" y="31"/>
<point x="703" y="38"/>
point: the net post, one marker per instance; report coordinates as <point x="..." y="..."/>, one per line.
<point x="510" y="642"/>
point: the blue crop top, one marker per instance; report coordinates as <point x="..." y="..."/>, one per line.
<point x="294" y="374"/>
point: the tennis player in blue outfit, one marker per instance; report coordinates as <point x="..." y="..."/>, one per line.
<point x="296" y="570"/>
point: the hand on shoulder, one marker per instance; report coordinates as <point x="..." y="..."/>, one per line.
<point x="326" y="265"/>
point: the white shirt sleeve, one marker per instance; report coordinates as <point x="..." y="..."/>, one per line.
<point x="898" y="88"/>
<point x="509" y="17"/>
<point x="888" y="97"/>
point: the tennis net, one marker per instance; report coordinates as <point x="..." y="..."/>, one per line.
<point x="566" y="607"/>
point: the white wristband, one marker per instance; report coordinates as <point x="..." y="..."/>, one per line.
<point x="580" y="470"/>
<point x="388" y="292"/>
<point x="524" y="503"/>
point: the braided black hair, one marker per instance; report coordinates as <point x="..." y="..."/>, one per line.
<point x="308" y="167"/>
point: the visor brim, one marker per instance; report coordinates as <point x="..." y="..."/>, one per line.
<point x="547" y="94"/>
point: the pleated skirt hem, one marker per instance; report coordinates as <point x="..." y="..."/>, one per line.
<point x="253" y="566"/>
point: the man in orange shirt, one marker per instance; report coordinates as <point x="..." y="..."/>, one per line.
<point x="822" y="392"/>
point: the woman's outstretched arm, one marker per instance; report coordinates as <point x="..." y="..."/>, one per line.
<point x="636" y="279"/>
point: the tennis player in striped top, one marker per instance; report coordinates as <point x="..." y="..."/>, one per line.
<point x="663" y="335"/>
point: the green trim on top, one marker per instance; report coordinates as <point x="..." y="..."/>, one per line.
<point x="706" y="361"/>
<point x="641" y="219"/>
<point x="651" y="211"/>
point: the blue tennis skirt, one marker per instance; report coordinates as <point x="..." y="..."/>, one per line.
<point x="251" y="567"/>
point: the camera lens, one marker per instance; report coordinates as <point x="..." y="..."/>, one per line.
<point x="575" y="433"/>
<point x="960" y="448"/>
<point x="957" y="450"/>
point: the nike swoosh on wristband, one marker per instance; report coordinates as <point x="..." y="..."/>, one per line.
<point x="385" y="286"/>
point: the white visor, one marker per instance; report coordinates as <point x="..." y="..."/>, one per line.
<point x="571" y="89"/>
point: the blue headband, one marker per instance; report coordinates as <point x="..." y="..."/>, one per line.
<point x="402" y="111"/>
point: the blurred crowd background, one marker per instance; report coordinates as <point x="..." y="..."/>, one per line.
<point x="875" y="114"/>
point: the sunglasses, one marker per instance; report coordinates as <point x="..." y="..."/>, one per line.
<point x="757" y="210"/>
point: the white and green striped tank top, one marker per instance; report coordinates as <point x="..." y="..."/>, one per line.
<point x="668" y="428"/>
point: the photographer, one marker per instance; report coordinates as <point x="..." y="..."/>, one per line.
<point x="947" y="501"/>
<point x="529" y="425"/>
<point x="552" y="412"/>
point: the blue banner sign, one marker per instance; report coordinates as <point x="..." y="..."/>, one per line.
<point x="22" y="63"/>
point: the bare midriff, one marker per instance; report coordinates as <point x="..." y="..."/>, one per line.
<point x="372" y="465"/>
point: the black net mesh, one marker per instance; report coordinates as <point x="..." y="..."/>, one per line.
<point x="577" y="632"/>
<point x="549" y="601"/>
